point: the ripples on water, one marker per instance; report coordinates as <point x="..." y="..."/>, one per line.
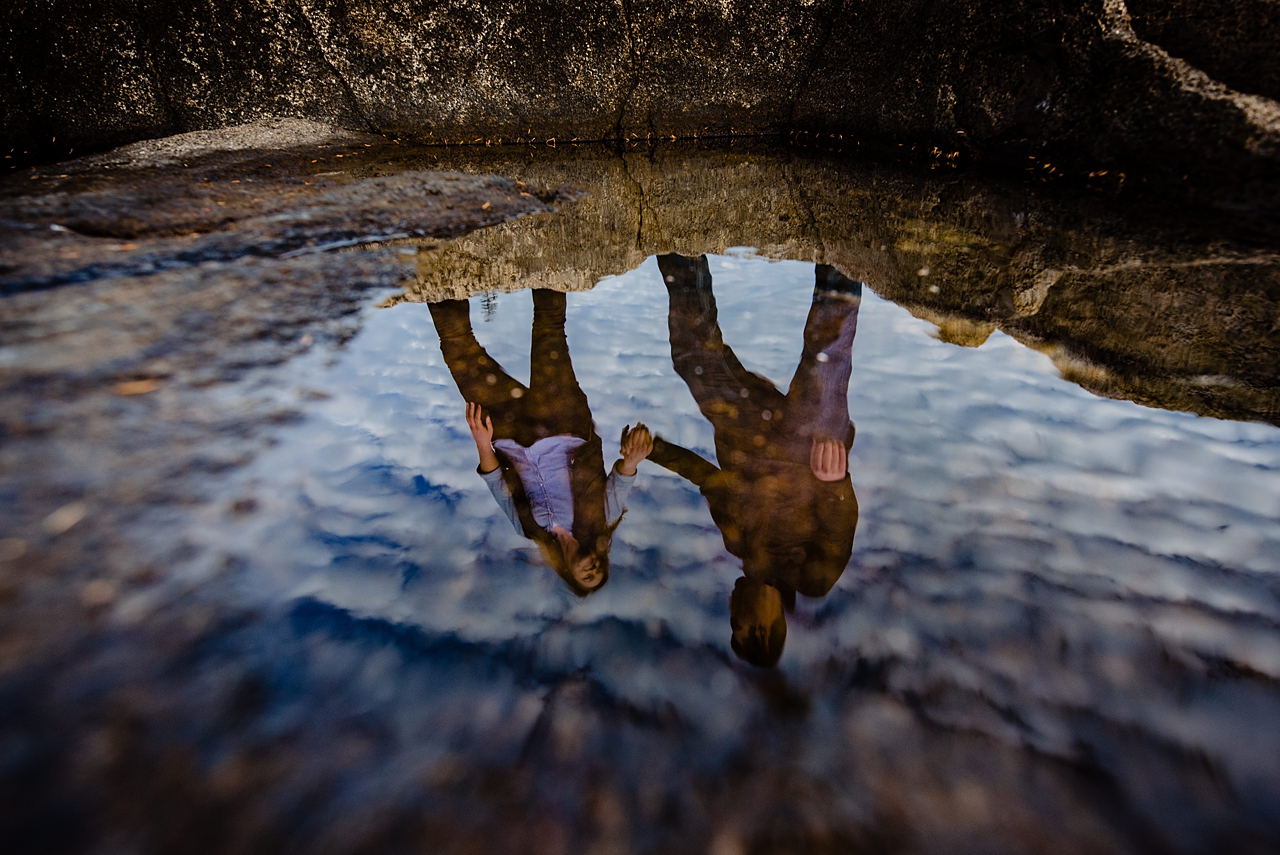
<point x="1058" y="628"/>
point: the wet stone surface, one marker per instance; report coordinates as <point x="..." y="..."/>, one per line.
<point x="959" y="530"/>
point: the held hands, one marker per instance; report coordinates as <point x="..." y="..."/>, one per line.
<point x="481" y="427"/>
<point x="637" y="444"/>
<point x="828" y="459"/>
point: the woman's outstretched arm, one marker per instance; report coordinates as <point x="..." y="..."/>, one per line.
<point x="482" y="432"/>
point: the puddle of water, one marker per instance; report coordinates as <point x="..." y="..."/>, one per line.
<point x="256" y="584"/>
<point x="1058" y="624"/>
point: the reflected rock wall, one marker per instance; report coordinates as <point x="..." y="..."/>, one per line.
<point x="1164" y="313"/>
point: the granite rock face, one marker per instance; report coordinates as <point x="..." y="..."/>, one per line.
<point x="1066" y="83"/>
<point x="1232" y="42"/>
<point x="1075" y="84"/>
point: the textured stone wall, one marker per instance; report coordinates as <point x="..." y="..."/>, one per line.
<point x="1068" y="82"/>
<point x="1233" y="42"/>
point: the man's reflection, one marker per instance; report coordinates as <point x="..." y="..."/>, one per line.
<point x="782" y="496"/>
<point x="538" y="448"/>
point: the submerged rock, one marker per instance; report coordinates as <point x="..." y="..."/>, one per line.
<point x="272" y="189"/>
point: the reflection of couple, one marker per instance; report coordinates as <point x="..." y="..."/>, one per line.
<point x="782" y="496"/>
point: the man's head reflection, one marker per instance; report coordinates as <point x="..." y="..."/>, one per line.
<point x="781" y="496"/>
<point x="758" y="622"/>
<point x="539" y="451"/>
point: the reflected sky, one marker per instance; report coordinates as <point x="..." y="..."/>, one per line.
<point x="1066" y="579"/>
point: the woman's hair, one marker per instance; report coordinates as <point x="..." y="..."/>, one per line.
<point x="554" y="553"/>
<point x="554" y="556"/>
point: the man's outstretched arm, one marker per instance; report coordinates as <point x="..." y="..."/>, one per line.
<point x="683" y="462"/>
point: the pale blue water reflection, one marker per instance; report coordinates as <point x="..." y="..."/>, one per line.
<point x="1060" y="626"/>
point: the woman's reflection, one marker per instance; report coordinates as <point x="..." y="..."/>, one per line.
<point x="539" y="451"/>
<point x="782" y="496"/>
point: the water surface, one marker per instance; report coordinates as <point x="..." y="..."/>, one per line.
<point x="1058" y="627"/>
<point x="257" y="597"/>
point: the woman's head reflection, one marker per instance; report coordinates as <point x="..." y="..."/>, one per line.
<point x="584" y="570"/>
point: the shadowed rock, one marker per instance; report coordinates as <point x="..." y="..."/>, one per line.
<point x="1069" y="82"/>
<point x="1233" y="42"/>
